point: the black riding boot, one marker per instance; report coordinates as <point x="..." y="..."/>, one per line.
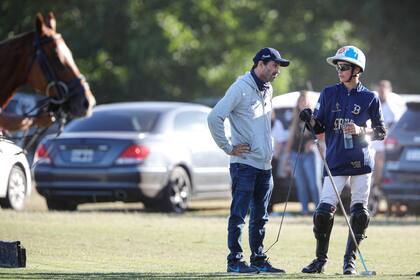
<point x="359" y="221"/>
<point x="349" y="266"/>
<point x="318" y="264"/>
<point x="323" y="222"/>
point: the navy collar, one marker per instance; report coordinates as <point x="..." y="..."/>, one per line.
<point x="359" y="88"/>
<point x="260" y="84"/>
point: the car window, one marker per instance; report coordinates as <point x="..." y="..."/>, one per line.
<point x="127" y="120"/>
<point x="408" y="122"/>
<point x="187" y="121"/>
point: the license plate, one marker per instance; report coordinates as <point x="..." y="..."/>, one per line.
<point x="413" y="155"/>
<point x="81" y="155"/>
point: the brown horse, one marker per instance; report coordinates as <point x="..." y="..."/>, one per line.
<point x="42" y="59"/>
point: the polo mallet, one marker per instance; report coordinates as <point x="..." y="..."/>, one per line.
<point x="316" y="141"/>
<point x="289" y="189"/>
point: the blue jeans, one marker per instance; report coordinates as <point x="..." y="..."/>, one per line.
<point x="308" y="178"/>
<point x="251" y="189"/>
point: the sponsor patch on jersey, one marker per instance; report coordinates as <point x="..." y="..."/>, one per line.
<point x="337" y="108"/>
<point x="356" y="164"/>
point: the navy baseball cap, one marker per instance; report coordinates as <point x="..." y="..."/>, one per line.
<point x="266" y="54"/>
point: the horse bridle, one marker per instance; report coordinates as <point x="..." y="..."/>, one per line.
<point x="64" y="89"/>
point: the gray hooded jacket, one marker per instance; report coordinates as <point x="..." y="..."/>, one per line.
<point x="249" y="113"/>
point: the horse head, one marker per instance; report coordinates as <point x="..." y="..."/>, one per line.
<point x="55" y="73"/>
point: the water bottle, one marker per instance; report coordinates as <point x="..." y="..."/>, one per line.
<point x="348" y="140"/>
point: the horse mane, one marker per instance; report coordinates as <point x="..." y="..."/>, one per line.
<point x="15" y="38"/>
<point x="14" y="61"/>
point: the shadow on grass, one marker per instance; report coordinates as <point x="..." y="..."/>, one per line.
<point x="222" y="212"/>
<point x="195" y="212"/>
<point x="134" y="275"/>
<point x="115" y="210"/>
<point x="396" y="221"/>
<point x="210" y="211"/>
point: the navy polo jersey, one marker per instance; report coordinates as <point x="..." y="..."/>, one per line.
<point x="335" y="108"/>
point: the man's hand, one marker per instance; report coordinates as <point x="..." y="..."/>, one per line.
<point x="305" y="115"/>
<point x="240" y="149"/>
<point x="45" y="119"/>
<point x="352" y="128"/>
<point x="14" y="122"/>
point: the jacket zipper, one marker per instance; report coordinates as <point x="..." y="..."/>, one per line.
<point x="267" y="126"/>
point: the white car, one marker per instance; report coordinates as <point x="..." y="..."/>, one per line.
<point x="15" y="176"/>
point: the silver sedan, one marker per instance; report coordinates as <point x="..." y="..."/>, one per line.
<point x="158" y="153"/>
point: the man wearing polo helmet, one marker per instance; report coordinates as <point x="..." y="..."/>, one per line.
<point x="342" y="112"/>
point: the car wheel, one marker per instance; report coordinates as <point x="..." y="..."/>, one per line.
<point x="413" y="209"/>
<point x="177" y="193"/>
<point x="16" y="190"/>
<point x="150" y="205"/>
<point x="61" y="205"/>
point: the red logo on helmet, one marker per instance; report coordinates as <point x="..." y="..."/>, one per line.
<point x="342" y="50"/>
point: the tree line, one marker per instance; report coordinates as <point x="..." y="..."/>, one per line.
<point x="189" y="49"/>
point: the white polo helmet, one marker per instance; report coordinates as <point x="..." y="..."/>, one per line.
<point x="350" y="54"/>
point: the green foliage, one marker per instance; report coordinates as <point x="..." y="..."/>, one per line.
<point x="186" y="49"/>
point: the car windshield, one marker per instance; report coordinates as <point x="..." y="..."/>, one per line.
<point x="408" y="121"/>
<point x="116" y="120"/>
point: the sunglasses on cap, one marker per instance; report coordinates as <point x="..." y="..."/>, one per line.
<point x="343" y="67"/>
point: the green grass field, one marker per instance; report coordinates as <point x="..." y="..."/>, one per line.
<point x="117" y="241"/>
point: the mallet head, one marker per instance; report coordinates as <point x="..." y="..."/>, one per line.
<point x="368" y="273"/>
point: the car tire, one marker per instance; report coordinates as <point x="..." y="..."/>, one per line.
<point x="16" y="190"/>
<point x="177" y="192"/>
<point x="413" y="209"/>
<point x="56" y="204"/>
<point x="150" y="205"/>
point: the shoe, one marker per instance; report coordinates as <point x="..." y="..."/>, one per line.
<point x="265" y="266"/>
<point x="349" y="271"/>
<point x="316" y="266"/>
<point x="349" y="267"/>
<point x="241" y="267"/>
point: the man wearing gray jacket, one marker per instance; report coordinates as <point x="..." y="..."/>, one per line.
<point x="247" y="104"/>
